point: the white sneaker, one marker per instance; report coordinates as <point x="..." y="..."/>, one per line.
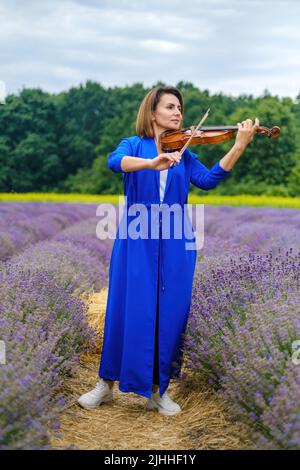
<point x="100" y="394"/>
<point x="164" y="404"/>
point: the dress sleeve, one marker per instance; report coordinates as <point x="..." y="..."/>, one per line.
<point x="114" y="158"/>
<point x="203" y="177"/>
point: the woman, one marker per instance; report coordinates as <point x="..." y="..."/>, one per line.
<point x="150" y="279"/>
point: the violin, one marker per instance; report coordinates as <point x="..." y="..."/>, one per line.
<point x="176" y="140"/>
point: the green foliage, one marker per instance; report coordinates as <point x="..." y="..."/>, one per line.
<point x="259" y="188"/>
<point x="4" y="165"/>
<point x="89" y="181"/>
<point x="61" y="142"/>
<point x="268" y="160"/>
<point x="34" y="164"/>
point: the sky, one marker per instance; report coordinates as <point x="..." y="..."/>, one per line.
<point x="233" y="46"/>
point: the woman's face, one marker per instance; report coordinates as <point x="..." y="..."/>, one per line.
<point x="167" y="115"/>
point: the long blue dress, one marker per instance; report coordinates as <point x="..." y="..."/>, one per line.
<point x="150" y="279"/>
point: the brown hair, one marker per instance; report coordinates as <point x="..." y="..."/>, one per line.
<point x="144" y="126"/>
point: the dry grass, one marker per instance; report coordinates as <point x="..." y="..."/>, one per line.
<point x="126" y="424"/>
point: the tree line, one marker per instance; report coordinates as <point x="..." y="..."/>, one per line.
<point x="60" y="142"/>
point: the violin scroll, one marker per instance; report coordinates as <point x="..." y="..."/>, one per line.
<point x="176" y="140"/>
<point x="273" y="133"/>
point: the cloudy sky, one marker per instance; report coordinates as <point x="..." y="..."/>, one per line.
<point x="233" y="46"/>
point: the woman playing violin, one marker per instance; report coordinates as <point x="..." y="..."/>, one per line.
<point x="150" y="279"/>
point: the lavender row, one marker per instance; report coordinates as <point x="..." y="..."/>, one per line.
<point x="42" y="324"/>
<point x="23" y="224"/>
<point x="260" y="229"/>
<point x="244" y="319"/>
<point x="84" y="235"/>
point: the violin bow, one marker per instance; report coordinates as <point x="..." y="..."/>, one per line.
<point x="194" y="131"/>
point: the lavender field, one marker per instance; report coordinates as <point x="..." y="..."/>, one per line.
<point x="49" y="256"/>
<point x="243" y="322"/>
<point x="24" y="224"/>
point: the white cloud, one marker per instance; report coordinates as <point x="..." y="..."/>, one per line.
<point x="157" y="45"/>
<point x="2" y="92"/>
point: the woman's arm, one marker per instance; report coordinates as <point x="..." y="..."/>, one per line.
<point x="161" y="162"/>
<point x="230" y="159"/>
<point x="121" y="161"/>
<point x="205" y="178"/>
<point x="129" y="163"/>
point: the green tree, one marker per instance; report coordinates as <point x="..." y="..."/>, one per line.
<point x="34" y="165"/>
<point x="294" y="180"/>
<point x="61" y="142"/>
<point x="5" y="170"/>
<point x="268" y="160"/>
<point x="98" y="179"/>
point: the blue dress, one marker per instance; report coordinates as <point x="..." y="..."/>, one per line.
<point x="151" y="276"/>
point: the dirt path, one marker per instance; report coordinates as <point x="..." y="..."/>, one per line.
<point x="126" y="424"/>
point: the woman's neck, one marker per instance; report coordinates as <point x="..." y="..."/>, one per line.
<point x="157" y="133"/>
<point x="159" y="150"/>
